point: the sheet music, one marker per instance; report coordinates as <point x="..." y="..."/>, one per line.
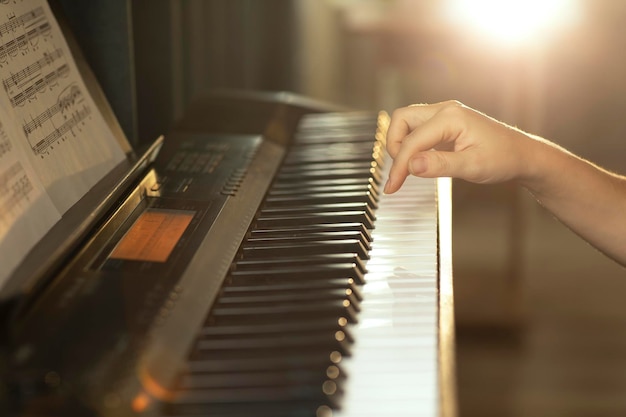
<point x="26" y="210"/>
<point x="54" y="143"/>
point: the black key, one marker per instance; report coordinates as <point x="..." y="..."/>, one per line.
<point x="356" y="216"/>
<point x="324" y="189"/>
<point x="362" y="174"/>
<point x="313" y="198"/>
<point x="237" y="286"/>
<point x="323" y="309"/>
<point x="309" y="272"/>
<point x="323" y="341"/>
<point x="255" y="297"/>
<point x="212" y="329"/>
<point x="296" y="185"/>
<point x="295" y="230"/>
<point x="278" y="262"/>
<point x="262" y="379"/>
<point x="281" y="239"/>
<point x="291" y="360"/>
<point x="262" y="250"/>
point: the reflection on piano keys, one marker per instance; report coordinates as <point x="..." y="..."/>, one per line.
<point x="296" y="289"/>
<point x="331" y="307"/>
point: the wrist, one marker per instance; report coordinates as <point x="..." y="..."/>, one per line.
<point x="541" y="162"/>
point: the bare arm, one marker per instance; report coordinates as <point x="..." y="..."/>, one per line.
<point x="451" y="140"/>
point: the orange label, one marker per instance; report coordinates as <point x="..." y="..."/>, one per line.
<point x="153" y="236"/>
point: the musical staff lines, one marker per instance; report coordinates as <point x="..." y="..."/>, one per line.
<point x="73" y="122"/>
<point x="23" y="42"/>
<point x="66" y="115"/>
<point x="34" y="25"/>
<point x="25" y="84"/>
<point x="15" y="187"/>
<point x="67" y="99"/>
<point x="5" y="2"/>
<point x="5" y="144"/>
<point x="55" y="130"/>
<point x="24" y="20"/>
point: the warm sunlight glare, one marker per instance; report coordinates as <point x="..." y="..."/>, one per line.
<point x="513" y="21"/>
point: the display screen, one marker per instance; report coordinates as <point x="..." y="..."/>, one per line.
<point x="153" y="236"/>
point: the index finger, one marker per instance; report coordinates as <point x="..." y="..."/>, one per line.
<point x="406" y="119"/>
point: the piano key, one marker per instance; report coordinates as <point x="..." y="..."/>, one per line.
<point x="263" y="378"/>
<point x="322" y="308"/>
<point x="299" y="273"/>
<point x="311" y="156"/>
<point x="347" y="148"/>
<point x="294" y="408"/>
<point x="355" y="216"/>
<point x="297" y="184"/>
<point x="264" y="286"/>
<point x="346" y="259"/>
<point x="308" y="158"/>
<point x="263" y="297"/>
<point x="270" y="300"/>
<point x="339" y="174"/>
<point x="277" y="343"/>
<point x="337" y="120"/>
<point x="290" y="279"/>
<point x="363" y="164"/>
<point x="290" y="360"/>
<point x="312" y="228"/>
<point x="211" y="330"/>
<point x="325" y="189"/>
<point x="258" y="399"/>
<point x="318" y="207"/>
<point x="332" y="197"/>
<point x="307" y="237"/>
<point x="318" y="357"/>
<point x="330" y="136"/>
<point x="264" y="249"/>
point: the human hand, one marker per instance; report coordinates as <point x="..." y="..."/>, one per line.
<point x="449" y="139"/>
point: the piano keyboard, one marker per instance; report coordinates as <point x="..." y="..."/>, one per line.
<point x="331" y="306"/>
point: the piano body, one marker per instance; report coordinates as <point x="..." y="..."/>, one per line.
<point x="259" y="273"/>
<point x="247" y="264"/>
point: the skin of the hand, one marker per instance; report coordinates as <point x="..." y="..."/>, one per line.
<point x="449" y="139"/>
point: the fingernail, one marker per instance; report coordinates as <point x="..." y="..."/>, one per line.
<point x="418" y="166"/>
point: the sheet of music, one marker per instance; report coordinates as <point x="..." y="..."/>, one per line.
<point x="26" y="210"/>
<point x="54" y="143"/>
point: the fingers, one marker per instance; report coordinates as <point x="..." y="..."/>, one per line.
<point x="430" y="164"/>
<point x="406" y="119"/>
<point x="442" y="164"/>
<point x="416" y="131"/>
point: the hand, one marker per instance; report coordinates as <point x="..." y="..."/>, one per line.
<point x="452" y="140"/>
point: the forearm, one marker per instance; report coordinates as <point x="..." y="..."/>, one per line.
<point x="449" y="139"/>
<point x="586" y="198"/>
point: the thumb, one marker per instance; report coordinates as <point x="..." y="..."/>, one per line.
<point x="434" y="164"/>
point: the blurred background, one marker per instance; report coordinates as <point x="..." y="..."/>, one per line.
<point x="540" y="315"/>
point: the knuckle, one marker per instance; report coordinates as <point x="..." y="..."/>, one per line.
<point x="454" y="108"/>
<point x="438" y="163"/>
<point x="397" y="113"/>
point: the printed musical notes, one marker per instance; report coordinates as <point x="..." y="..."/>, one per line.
<point x="35" y="78"/>
<point x="15" y="187"/>
<point x="54" y="143"/>
<point x="32" y="26"/>
<point x="5" y="144"/>
<point x="75" y="121"/>
<point x="63" y="116"/>
<point x="24" y="20"/>
<point x="26" y="211"/>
